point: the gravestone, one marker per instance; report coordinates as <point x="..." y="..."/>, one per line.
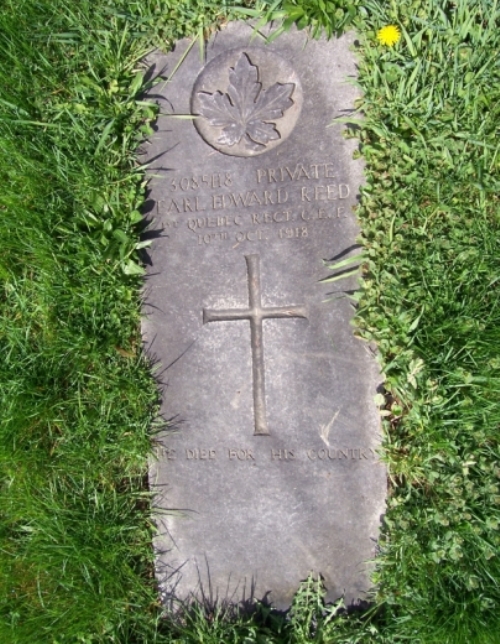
<point x="268" y="471"/>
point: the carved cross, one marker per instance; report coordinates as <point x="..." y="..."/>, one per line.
<point x="255" y="313"/>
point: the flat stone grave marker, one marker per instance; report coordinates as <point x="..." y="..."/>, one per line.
<point x="268" y="472"/>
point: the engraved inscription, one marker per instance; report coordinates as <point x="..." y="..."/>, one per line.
<point x="299" y="171"/>
<point x="241" y="455"/>
<point x="282" y="455"/>
<point x="250" y="235"/>
<point x="214" y="222"/>
<point x="265" y="212"/>
<point x="290" y="233"/>
<point x="256" y="314"/>
<point x="249" y="198"/>
<point x="200" y="454"/>
<point x="331" y="192"/>
<point x="167" y="453"/>
<point x="183" y="204"/>
<point x="201" y="182"/>
<point x="208" y="238"/>
<point x="352" y="454"/>
<point x="321" y="213"/>
<point x="271" y="217"/>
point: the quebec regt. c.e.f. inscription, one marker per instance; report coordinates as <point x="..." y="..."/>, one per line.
<point x="270" y="461"/>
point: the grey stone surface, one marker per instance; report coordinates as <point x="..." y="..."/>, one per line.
<point x="269" y="470"/>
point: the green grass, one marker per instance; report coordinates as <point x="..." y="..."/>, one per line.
<point x="78" y="399"/>
<point x="430" y="302"/>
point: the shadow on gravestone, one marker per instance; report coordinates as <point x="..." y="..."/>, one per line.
<point x="269" y="471"/>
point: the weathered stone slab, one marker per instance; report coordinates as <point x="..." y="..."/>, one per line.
<point x="269" y="472"/>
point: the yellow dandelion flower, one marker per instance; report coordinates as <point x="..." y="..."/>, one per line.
<point x="388" y="35"/>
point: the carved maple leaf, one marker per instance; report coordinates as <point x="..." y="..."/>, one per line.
<point x="246" y="109"/>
